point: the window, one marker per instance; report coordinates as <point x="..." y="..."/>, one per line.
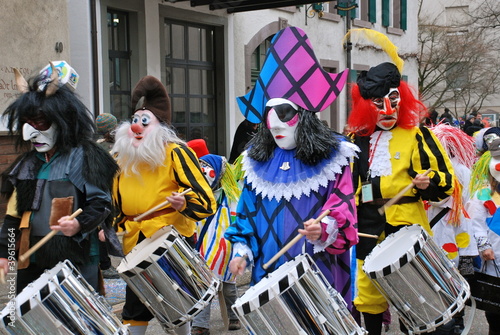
<point x="119" y="63"/>
<point x="367" y="10"/>
<point x="190" y="80"/>
<point x="394" y="14"/>
<point x="258" y="58"/>
<point x="331" y="113"/>
<point x="456" y="16"/>
<point x="457" y="75"/>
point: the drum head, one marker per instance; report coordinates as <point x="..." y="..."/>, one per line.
<point x="145" y="248"/>
<point x="396" y="245"/>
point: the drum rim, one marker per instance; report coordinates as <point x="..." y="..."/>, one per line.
<point x="421" y="238"/>
<point x="276" y="288"/>
<point x="160" y="241"/>
<point x="446" y="316"/>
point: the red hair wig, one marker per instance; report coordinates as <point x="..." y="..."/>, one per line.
<point x="364" y="115"/>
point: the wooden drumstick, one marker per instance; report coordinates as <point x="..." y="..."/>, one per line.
<point x="292" y="242"/>
<point x="2" y="276"/>
<point x="367" y="235"/>
<point x="154" y="209"/>
<point x="46" y="238"/>
<point x="398" y="196"/>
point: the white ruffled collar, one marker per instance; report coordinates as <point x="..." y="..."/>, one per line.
<point x="380" y="156"/>
<point x="268" y="180"/>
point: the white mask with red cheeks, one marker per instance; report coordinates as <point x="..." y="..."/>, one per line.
<point x="387" y="108"/>
<point x="209" y="173"/>
<point x="143" y="121"/>
<point x="282" y="120"/>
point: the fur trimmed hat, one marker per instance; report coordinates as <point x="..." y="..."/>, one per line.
<point x="150" y="94"/>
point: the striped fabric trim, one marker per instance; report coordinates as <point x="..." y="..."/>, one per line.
<point x="407" y="257"/>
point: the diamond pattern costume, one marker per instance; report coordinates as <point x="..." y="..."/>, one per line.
<point x="285" y="188"/>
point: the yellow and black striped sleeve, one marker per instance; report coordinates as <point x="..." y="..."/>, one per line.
<point x="430" y="154"/>
<point x="200" y="202"/>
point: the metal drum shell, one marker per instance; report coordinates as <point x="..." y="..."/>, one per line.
<point x="169" y="277"/>
<point x="295" y="299"/>
<point x="412" y="272"/>
<point x="61" y="301"/>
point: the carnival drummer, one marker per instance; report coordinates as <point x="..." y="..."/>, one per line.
<point x="156" y="165"/>
<point x="295" y="168"/>
<point x="63" y="167"/>
<point x="395" y="152"/>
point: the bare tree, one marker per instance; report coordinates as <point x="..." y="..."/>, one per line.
<point x="486" y="14"/>
<point x="458" y="64"/>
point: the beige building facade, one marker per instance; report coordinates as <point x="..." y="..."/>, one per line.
<point x="205" y="56"/>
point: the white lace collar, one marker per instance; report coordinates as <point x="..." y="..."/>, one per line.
<point x="308" y="179"/>
<point x="379" y="154"/>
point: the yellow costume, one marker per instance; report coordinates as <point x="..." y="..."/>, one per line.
<point x="396" y="157"/>
<point x="137" y="194"/>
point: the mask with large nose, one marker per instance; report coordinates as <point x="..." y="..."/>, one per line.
<point x="41" y="133"/>
<point x="387" y="108"/>
<point x="143" y="122"/>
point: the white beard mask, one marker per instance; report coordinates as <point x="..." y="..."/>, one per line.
<point x="42" y="140"/>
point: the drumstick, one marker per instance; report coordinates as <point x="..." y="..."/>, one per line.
<point x="398" y="196"/>
<point x="46" y="238"/>
<point x="154" y="209"/>
<point x="2" y="276"/>
<point x="367" y="235"/>
<point x="292" y="242"/>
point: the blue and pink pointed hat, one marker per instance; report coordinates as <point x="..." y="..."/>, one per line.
<point x="291" y="71"/>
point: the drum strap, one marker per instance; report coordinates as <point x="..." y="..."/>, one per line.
<point x="439" y="216"/>
<point x="24" y="241"/>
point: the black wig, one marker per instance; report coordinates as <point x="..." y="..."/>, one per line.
<point x="315" y="141"/>
<point x="63" y="108"/>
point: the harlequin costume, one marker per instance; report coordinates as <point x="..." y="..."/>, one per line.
<point x="384" y="124"/>
<point x="66" y="167"/>
<point x="211" y="244"/>
<point x="284" y="188"/>
<point x="449" y="220"/>
<point x="140" y="186"/>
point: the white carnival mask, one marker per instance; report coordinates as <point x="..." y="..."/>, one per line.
<point x="143" y="122"/>
<point x="42" y="134"/>
<point x="282" y="121"/>
<point x="387" y="107"/>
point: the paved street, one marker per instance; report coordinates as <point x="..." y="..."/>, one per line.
<point x="115" y="295"/>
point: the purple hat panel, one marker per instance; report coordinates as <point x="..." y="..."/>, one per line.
<point x="291" y="71"/>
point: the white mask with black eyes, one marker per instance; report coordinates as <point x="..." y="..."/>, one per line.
<point x="282" y="120"/>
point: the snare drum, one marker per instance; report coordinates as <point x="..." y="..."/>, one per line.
<point x="169" y="277"/>
<point x="295" y="299"/>
<point x="60" y="302"/>
<point x="417" y="278"/>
